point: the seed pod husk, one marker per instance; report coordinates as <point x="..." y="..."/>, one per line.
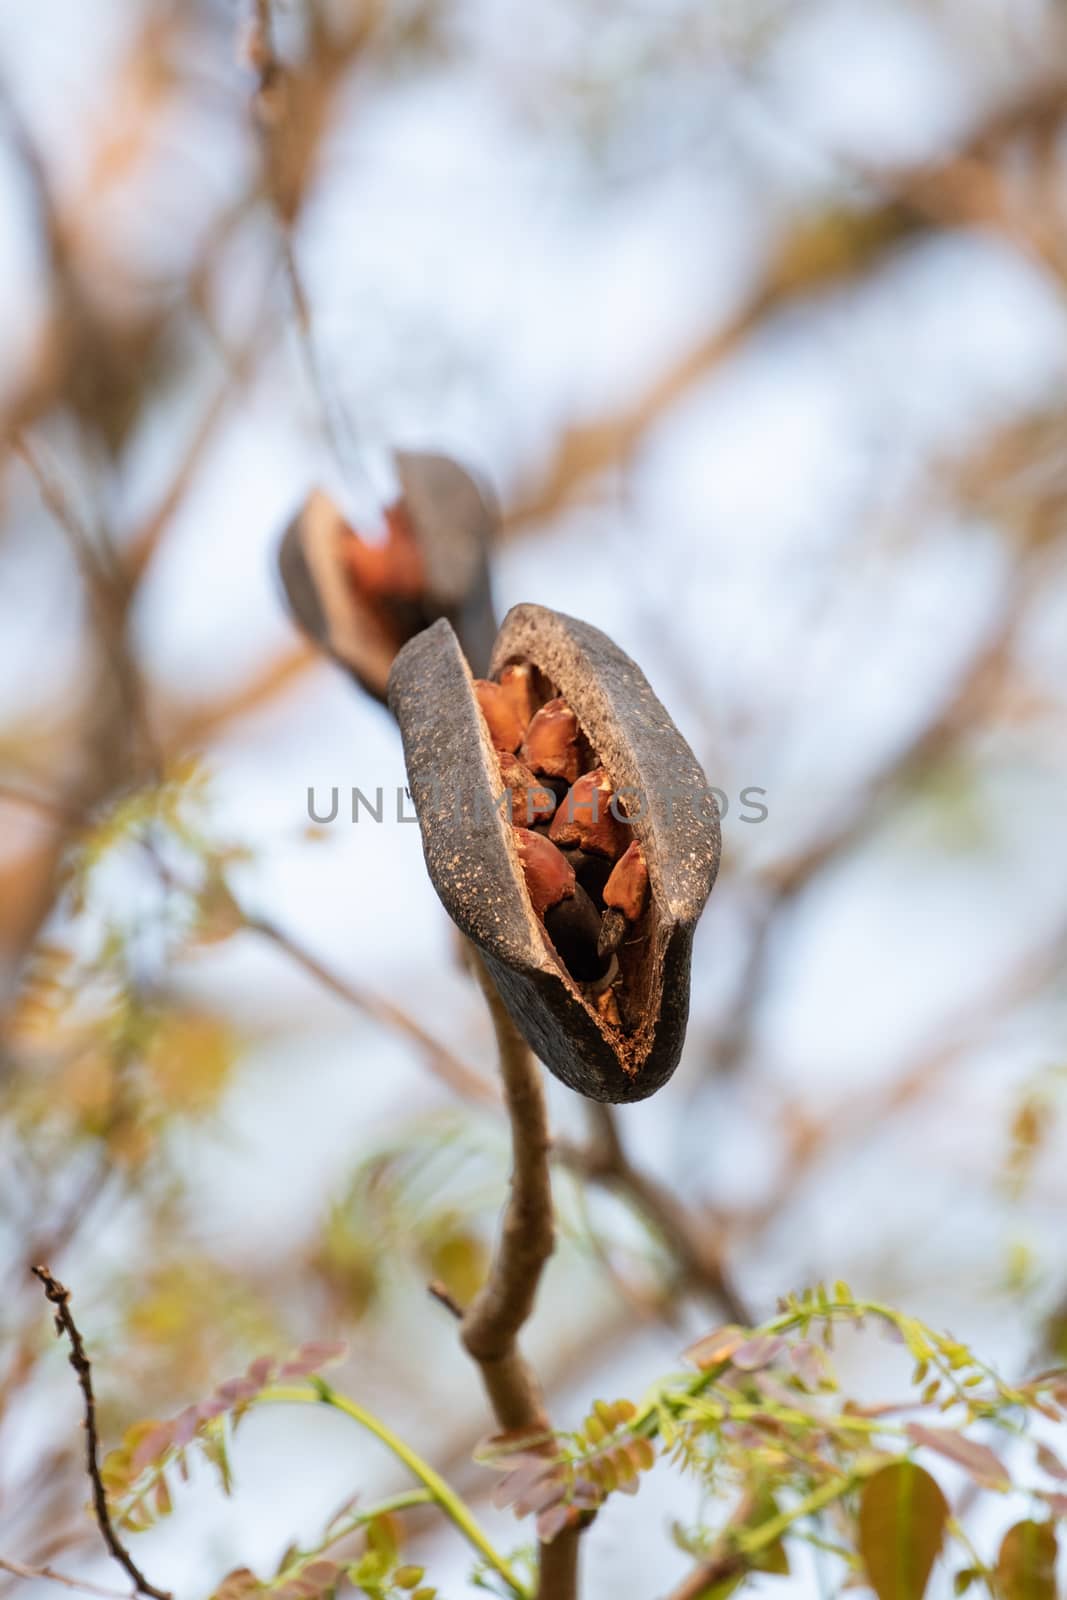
<point x="362" y="602"/>
<point x="619" y="1044"/>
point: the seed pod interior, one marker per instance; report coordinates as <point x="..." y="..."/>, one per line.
<point x="609" y="1023"/>
<point x="361" y="600"/>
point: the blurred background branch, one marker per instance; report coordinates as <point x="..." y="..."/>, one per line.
<point x="755" y="315"/>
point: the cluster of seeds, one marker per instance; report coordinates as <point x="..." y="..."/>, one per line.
<point x="585" y="872"/>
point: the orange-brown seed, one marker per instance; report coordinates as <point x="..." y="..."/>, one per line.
<point x="392" y="569"/>
<point x="551" y="744"/>
<point x="585" y="818"/>
<point x="627" y="888"/>
<point x="528" y="801"/>
<point x="505" y="729"/>
<point x="549" y="875"/>
<point x="517" y="682"/>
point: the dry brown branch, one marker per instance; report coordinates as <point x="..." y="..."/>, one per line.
<point x="19" y="1569"/>
<point x="492" y="1323"/>
<point x="292" y="108"/>
<point x="951" y="720"/>
<point x="703" y="1581"/>
<point x="586" y="450"/>
<point x="59" y="1297"/>
<point x="240" y="366"/>
<point x="15" y="794"/>
<point x="695" y="1245"/>
<point x="872" y="1110"/>
<point x="117" y="744"/>
<point x="194" y="724"/>
<point x="948" y="193"/>
<point x="722" y="1563"/>
<point x="458" y="1076"/>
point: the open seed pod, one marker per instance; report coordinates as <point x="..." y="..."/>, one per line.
<point x="362" y="601"/>
<point x="599" y="987"/>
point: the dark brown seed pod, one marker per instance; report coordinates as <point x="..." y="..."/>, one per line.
<point x="362" y="601"/>
<point x="617" y="1036"/>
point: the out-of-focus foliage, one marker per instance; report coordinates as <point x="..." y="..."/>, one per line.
<point x="763" y="1426"/>
<point x="755" y="315"/>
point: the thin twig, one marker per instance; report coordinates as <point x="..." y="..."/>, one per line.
<point x="59" y="1297"/>
<point x="109" y="596"/>
<point x="695" y="1249"/>
<point x="446" y="1066"/>
<point x="440" y="1292"/>
<point x="49" y="806"/>
<point x="194" y="723"/>
<point x="704" y="1580"/>
<point x="492" y="1323"/>
<point x="19" y="1569"/>
<point x="147" y="538"/>
<point x="950" y="721"/>
<point x="907" y="201"/>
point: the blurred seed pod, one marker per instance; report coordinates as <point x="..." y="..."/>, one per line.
<point x="363" y="601"/>
<point x="620" y="1037"/>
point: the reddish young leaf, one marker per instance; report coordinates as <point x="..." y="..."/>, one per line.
<point x="984" y="1467"/>
<point x="156" y="1444"/>
<point x="312" y="1358"/>
<point x="553" y="1521"/>
<point x="1050" y="1462"/>
<point x="715" y="1347"/>
<point x="236" y="1585"/>
<point x="758" y="1352"/>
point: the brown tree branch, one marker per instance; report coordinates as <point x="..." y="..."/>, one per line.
<point x="194" y="723"/>
<point x="695" y="1247"/>
<point x="19" y="1569"/>
<point x="461" y="1078"/>
<point x="704" y="1580"/>
<point x="59" y="1297"/>
<point x="902" y="204"/>
<point x="492" y="1323"/>
<point x="949" y="722"/>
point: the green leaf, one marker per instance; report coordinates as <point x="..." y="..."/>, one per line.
<point x="901" y="1526"/>
<point x="771" y="1557"/>
<point x="1026" y="1565"/>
